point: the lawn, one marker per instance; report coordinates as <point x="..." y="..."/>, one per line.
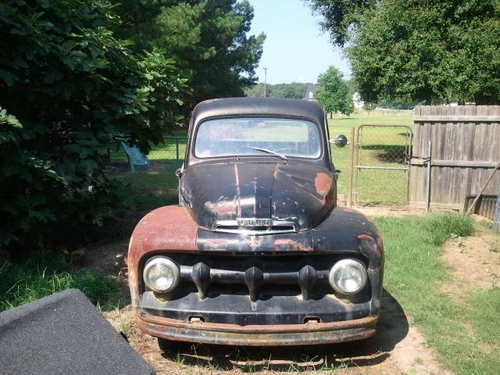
<point x="465" y="335"/>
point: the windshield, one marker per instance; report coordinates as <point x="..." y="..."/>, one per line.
<point x="272" y="137"/>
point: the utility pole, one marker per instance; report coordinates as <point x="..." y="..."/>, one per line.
<point x="265" y="82"/>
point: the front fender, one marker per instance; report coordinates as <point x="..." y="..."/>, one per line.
<point x="168" y="228"/>
<point x="172" y="229"/>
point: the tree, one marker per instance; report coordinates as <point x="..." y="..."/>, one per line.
<point x="333" y="92"/>
<point x="294" y="90"/>
<point x="67" y="86"/>
<point x="419" y="51"/>
<point x="340" y="16"/>
<point x="207" y="39"/>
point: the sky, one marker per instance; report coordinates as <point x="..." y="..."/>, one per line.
<point x="296" y="49"/>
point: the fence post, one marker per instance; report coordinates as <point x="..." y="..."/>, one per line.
<point x="177" y="148"/>
<point x="429" y="176"/>
<point x="496" y="222"/>
<point x="351" y="169"/>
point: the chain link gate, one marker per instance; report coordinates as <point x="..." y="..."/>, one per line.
<point x="380" y="165"/>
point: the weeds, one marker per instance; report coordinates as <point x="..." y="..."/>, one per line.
<point x="445" y="226"/>
<point x="47" y="273"/>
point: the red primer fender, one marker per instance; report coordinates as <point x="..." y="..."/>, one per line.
<point x="166" y="228"/>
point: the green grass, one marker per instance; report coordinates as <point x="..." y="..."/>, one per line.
<point x="383" y="147"/>
<point x="464" y="335"/>
<point x="150" y="189"/>
<point x="46" y="273"/>
<point x="174" y="145"/>
<point x="341" y="123"/>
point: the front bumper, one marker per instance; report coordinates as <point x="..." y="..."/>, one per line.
<point x="257" y="335"/>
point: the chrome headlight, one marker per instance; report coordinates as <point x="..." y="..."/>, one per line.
<point x="348" y="276"/>
<point x="161" y="274"/>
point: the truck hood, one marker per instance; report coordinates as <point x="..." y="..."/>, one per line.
<point x="225" y="194"/>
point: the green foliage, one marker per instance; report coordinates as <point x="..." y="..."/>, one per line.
<point x="207" y="38"/>
<point x="333" y="92"/>
<point x="420" y="51"/>
<point x="294" y="90"/>
<point x="445" y="226"/>
<point x="67" y="86"/>
<point x="44" y="274"/>
<point x="340" y="16"/>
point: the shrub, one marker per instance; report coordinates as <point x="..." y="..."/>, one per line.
<point x="67" y="86"/>
<point x="444" y="226"/>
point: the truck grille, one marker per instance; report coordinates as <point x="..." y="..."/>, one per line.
<point x="258" y="277"/>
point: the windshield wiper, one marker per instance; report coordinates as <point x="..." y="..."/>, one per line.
<point x="266" y="150"/>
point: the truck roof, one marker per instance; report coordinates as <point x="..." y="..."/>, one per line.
<point x="258" y="106"/>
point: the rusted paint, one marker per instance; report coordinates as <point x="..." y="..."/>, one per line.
<point x="298" y="191"/>
<point x="323" y="183"/>
<point x="223" y="208"/>
<point x="380" y="242"/>
<point x="338" y="232"/>
<point x="370" y="246"/>
<point x="286" y="334"/>
<point x="290" y="245"/>
<point x="350" y="210"/>
<point x="369" y="321"/>
<point x="168" y="228"/>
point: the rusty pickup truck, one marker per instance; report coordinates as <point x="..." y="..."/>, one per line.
<point x="257" y="252"/>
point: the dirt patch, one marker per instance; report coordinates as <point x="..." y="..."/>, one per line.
<point x="475" y="263"/>
<point x="110" y="259"/>
<point x="389" y="211"/>
<point x="397" y="348"/>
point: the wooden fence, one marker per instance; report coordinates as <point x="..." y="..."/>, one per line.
<point x="456" y="150"/>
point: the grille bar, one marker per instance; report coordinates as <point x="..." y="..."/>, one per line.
<point x="253" y="277"/>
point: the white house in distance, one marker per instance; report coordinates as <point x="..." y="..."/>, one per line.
<point x="309" y="94"/>
<point x="358" y="102"/>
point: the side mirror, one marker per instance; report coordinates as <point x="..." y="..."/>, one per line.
<point x="340" y="141"/>
<point x="179" y="171"/>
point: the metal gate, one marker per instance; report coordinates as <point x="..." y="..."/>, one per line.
<point x="380" y="165"/>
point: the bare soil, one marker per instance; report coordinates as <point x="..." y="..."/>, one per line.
<point x="397" y="348"/>
<point x="475" y="264"/>
<point x="389" y="211"/>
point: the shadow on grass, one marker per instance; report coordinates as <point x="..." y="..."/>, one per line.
<point x="387" y="153"/>
<point x="45" y="273"/>
<point x="392" y="328"/>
